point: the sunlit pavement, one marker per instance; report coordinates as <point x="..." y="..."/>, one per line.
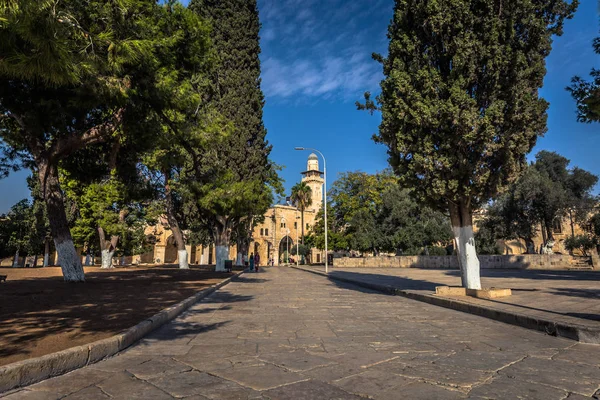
<point x="289" y="334"/>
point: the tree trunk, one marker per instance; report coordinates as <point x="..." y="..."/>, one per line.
<point x="222" y="236"/>
<point x="461" y="218"/>
<point x="529" y="245"/>
<point x="242" y="250"/>
<point x="182" y="255"/>
<point x="16" y="260"/>
<point x="107" y="249"/>
<point x="46" y="251"/>
<point x="69" y="261"/>
<point x="35" y="260"/>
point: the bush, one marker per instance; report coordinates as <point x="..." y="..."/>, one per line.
<point x="582" y="243"/>
<point x="437" y="251"/>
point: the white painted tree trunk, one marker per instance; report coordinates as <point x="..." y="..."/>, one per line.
<point x="88" y="260"/>
<point x="467" y="256"/>
<point x="222" y="254"/>
<point x="107" y="257"/>
<point x="69" y="261"/>
<point x="16" y="260"/>
<point x="183" y="259"/>
<point x="240" y="259"/>
<point x="46" y="259"/>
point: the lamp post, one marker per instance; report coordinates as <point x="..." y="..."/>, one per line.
<point x="297" y="253"/>
<point x="325" y="199"/>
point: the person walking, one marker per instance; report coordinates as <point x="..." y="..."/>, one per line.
<point x="256" y="261"/>
<point x="251" y="261"/>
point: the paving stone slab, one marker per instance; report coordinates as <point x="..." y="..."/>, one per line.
<point x="565" y="375"/>
<point x="309" y="390"/>
<point x="506" y="388"/>
<point x="454" y="376"/>
<point x="371" y="383"/>
<point x="580" y="353"/>
<point x="89" y="393"/>
<point x="260" y="377"/>
<point x="31" y="395"/>
<point x="333" y="372"/>
<point x="296" y="361"/>
<point x="421" y="391"/>
<point x="157" y="367"/>
<point x="126" y="386"/>
<point x="482" y="361"/>
<point x="185" y="384"/>
<point x="76" y="381"/>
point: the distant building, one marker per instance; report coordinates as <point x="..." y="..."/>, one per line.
<point x="274" y="238"/>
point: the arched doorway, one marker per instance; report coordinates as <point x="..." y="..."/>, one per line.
<point x="285" y="247"/>
<point x="170" y="251"/>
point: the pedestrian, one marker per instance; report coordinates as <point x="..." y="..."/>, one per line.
<point x="251" y="261"/>
<point x="256" y="261"/>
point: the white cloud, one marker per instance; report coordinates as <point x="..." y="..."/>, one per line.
<point x="321" y="48"/>
<point x="324" y="77"/>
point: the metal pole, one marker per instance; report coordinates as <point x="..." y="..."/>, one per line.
<point x="297" y="254"/>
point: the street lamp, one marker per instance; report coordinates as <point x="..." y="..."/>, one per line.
<point x="325" y="198"/>
<point x="297" y="252"/>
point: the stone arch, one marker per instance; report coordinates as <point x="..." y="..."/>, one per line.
<point x="285" y="244"/>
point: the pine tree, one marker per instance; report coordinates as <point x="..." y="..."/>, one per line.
<point x="587" y="93"/>
<point x="460" y="104"/>
<point x="79" y="74"/>
<point x="244" y="155"/>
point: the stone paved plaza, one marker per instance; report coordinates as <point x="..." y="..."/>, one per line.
<point x="289" y="334"/>
<point x="571" y="297"/>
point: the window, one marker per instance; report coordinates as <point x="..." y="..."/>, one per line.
<point x="295" y="225"/>
<point x="283" y="224"/>
<point x="307" y="226"/>
<point x="262" y="232"/>
<point x="267" y="232"/>
<point x="318" y="258"/>
<point x="557" y="226"/>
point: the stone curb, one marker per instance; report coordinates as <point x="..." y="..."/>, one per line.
<point x="576" y="332"/>
<point x="33" y="370"/>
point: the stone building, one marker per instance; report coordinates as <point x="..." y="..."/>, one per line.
<point x="274" y="238"/>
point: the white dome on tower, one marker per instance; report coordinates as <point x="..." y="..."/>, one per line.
<point x="313" y="163"/>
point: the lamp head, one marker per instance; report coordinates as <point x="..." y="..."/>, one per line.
<point x="298" y="148"/>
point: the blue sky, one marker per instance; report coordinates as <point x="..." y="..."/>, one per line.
<point x="316" y="62"/>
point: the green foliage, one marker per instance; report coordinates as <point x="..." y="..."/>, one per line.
<point x="14" y="228"/>
<point x="587" y="93"/>
<point x="485" y="242"/>
<point x="546" y="191"/>
<point x="459" y="102"/>
<point x="583" y="243"/>
<point x="437" y="251"/>
<point x="301" y="196"/>
<point x="371" y="213"/>
<point x="303" y="250"/>
<point x="233" y="185"/>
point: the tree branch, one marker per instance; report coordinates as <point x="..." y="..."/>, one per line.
<point x="98" y="134"/>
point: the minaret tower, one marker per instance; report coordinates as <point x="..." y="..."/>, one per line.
<point x="314" y="180"/>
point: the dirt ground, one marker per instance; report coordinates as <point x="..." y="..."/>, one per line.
<point x="41" y="314"/>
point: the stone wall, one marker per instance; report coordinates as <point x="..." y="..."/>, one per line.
<point x="523" y="261"/>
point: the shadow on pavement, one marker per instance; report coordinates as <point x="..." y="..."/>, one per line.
<point x="388" y="280"/>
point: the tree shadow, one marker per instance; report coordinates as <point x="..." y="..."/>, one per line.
<point x="539" y="274"/>
<point x="396" y="282"/>
<point x="41" y="315"/>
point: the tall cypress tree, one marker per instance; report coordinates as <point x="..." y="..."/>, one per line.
<point x="460" y="104"/>
<point x="244" y="154"/>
